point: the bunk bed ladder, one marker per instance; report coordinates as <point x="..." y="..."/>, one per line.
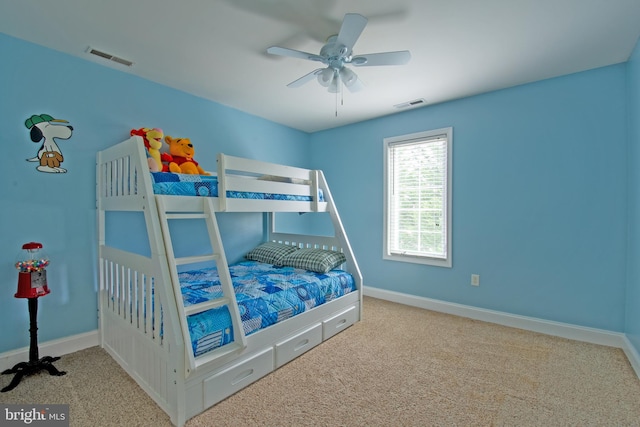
<point x="228" y="299"/>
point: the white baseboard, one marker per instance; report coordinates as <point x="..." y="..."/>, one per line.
<point x="632" y="355"/>
<point x="564" y="330"/>
<point x="78" y="342"/>
<point x="53" y="348"/>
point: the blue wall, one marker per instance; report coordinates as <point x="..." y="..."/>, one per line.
<point x="539" y="198"/>
<point x="633" y="285"/>
<point x="543" y="206"/>
<point x="58" y="210"/>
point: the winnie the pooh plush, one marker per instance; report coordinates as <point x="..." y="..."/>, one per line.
<point x="181" y="157"/>
<point x="153" y="142"/>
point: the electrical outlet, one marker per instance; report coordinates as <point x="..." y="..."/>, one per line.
<point x="475" y="280"/>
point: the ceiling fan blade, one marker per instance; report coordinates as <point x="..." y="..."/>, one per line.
<point x="283" y="51"/>
<point x="385" y="58"/>
<point x="306" y="78"/>
<point x="352" y="26"/>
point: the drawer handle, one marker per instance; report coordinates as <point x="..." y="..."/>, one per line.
<point x="242" y="376"/>
<point x="341" y="323"/>
<point x="301" y="344"/>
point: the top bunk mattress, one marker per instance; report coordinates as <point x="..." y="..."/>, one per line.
<point x="176" y="184"/>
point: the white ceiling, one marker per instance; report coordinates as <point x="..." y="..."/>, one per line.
<point x="215" y="49"/>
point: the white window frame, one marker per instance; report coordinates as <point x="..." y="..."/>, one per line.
<point x="445" y="260"/>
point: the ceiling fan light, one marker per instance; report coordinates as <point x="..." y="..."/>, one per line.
<point x="325" y="77"/>
<point x="348" y="77"/>
<point x="336" y="83"/>
<point x="356" y="86"/>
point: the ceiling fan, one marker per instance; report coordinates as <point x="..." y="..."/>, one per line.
<point x="337" y="53"/>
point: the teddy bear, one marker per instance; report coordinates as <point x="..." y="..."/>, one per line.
<point x="180" y="157"/>
<point x="153" y="142"/>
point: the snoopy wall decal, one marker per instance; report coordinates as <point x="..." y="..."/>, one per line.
<point x="43" y="127"/>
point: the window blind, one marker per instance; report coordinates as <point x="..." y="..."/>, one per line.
<point x="417" y="211"/>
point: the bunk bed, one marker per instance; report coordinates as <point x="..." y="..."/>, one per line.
<point x="152" y="305"/>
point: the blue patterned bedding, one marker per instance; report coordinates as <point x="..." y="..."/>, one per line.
<point x="176" y="184"/>
<point x="265" y="294"/>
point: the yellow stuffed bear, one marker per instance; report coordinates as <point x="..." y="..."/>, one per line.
<point x="181" y="161"/>
<point x="153" y="142"/>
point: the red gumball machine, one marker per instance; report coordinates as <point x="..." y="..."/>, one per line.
<point x="32" y="277"/>
<point x="32" y="284"/>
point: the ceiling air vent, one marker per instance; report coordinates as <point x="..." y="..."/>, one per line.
<point x="414" y="103"/>
<point x="109" y="57"/>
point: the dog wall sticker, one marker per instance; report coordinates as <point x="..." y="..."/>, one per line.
<point x="45" y="128"/>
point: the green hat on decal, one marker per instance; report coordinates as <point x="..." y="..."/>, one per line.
<point x="35" y="119"/>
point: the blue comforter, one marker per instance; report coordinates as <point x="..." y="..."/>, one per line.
<point x="265" y="294"/>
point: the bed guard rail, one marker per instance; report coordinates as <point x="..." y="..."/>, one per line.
<point x="267" y="178"/>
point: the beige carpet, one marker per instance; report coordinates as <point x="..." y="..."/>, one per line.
<point x="400" y="366"/>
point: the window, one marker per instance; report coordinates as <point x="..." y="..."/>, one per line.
<point x="417" y="223"/>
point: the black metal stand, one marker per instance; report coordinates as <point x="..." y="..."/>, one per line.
<point x="35" y="364"/>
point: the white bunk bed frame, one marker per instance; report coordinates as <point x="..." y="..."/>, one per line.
<point x="142" y="319"/>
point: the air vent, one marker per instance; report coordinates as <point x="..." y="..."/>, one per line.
<point x="109" y="57"/>
<point x="414" y="103"/>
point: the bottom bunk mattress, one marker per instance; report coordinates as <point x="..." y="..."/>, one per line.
<point x="266" y="294"/>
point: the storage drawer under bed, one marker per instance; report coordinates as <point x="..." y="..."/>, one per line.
<point x="236" y="377"/>
<point x="339" y="322"/>
<point x="293" y="347"/>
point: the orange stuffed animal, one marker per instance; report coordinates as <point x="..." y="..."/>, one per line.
<point x="181" y="161"/>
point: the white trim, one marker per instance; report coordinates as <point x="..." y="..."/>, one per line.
<point x="447" y="135"/>
<point x="79" y="342"/>
<point x="632" y="355"/>
<point x="53" y="348"/>
<point x="548" y="327"/>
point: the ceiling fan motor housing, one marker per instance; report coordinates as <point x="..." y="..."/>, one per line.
<point x="336" y="54"/>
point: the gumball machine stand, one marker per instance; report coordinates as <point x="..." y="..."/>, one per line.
<point x="32" y="284"/>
